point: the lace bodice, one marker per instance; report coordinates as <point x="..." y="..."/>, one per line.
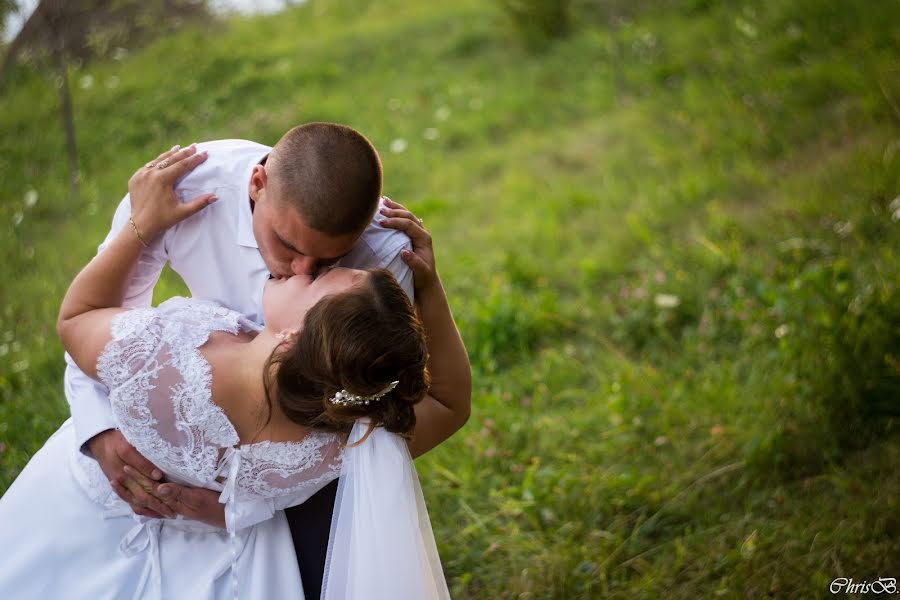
<point x="159" y="388"/>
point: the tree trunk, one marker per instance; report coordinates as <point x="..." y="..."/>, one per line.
<point x="65" y="107"/>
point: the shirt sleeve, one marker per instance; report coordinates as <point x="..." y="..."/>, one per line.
<point x="402" y="272"/>
<point x="88" y="399"/>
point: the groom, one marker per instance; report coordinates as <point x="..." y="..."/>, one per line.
<point x="308" y="203"/>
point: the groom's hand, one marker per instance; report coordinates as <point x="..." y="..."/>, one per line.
<point x="193" y="503"/>
<point x="116" y="457"/>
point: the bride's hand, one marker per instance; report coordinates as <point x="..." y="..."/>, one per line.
<point x="421" y="259"/>
<point x="154" y="205"/>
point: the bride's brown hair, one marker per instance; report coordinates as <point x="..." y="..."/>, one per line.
<point x="359" y="340"/>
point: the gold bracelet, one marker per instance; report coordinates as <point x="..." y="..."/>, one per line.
<point x="138" y="233"/>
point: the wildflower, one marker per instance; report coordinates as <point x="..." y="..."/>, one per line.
<point x="398" y="146"/>
<point x="843" y="228"/>
<point x="31" y="198"/>
<point x="87" y="82"/>
<point x="442" y="114"/>
<point x="781" y="331"/>
<point x="745" y="27"/>
<point x="666" y="300"/>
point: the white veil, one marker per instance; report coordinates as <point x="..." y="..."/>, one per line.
<point x="381" y="544"/>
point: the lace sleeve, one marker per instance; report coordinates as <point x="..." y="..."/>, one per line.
<point x="159" y="393"/>
<point x="271" y="476"/>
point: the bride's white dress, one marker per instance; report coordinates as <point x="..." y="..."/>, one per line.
<point x="66" y="534"/>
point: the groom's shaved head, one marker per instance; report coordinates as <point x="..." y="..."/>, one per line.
<point x="330" y="173"/>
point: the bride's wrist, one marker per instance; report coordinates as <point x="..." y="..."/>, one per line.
<point x="143" y="230"/>
<point x="137" y="233"/>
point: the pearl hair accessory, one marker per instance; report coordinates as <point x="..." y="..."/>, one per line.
<point x="345" y="398"/>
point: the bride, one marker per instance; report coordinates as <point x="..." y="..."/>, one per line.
<point x="267" y="416"/>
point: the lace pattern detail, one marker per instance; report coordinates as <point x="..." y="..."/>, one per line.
<point x="274" y="469"/>
<point x="160" y="394"/>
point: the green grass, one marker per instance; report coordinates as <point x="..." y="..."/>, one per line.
<point x="739" y="161"/>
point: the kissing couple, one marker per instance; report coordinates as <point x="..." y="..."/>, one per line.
<point x="254" y="440"/>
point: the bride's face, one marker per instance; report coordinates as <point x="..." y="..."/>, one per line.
<point x="286" y="300"/>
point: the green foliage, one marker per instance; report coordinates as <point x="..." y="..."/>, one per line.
<point x="506" y="324"/>
<point x="670" y="246"/>
<point x="838" y="328"/>
<point x="539" y="21"/>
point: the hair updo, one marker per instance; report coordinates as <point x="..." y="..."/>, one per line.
<point x="359" y="340"/>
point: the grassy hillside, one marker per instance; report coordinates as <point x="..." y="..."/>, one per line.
<point x="671" y="245"/>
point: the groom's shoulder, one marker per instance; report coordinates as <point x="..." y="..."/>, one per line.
<point x="383" y="242"/>
<point x="228" y="163"/>
<point x="232" y="147"/>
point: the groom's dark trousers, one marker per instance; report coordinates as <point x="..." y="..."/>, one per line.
<point x="310" y="527"/>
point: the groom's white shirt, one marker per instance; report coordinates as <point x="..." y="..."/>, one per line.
<point x="216" y="254"/>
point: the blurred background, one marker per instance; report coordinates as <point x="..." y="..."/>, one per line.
<point x="669" y="229"/>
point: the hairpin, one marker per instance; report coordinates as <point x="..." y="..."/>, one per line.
<point x="345" y="398"/>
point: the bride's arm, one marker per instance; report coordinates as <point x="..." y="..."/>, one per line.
<point x="447" y="406"/>
<point x="97" y="292"/>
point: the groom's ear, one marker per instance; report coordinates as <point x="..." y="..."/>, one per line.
<point x="259" y="179"/>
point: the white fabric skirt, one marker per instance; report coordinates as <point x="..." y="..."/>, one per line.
<point x="59" y="541"/>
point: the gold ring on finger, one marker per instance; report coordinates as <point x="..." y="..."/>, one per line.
<point x="163" y="164"/>
<point x="421" y="222"/>
<point x="150" y="165"/>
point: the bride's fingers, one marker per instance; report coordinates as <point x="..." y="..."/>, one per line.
<point x="391" y="204"/>
<point x="411" y="227"/>
<point x="153" y="163"/>
<point x="183" y="162"/>
<point x="419" y="267"/>
<point x="399" y="213"/>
